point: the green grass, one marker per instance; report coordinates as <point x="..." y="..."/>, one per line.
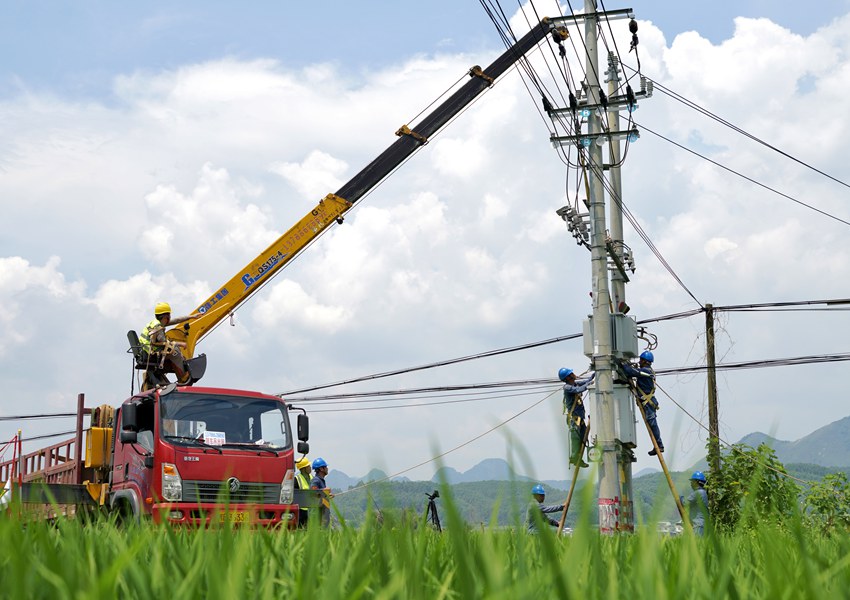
<point x="70" y="559"/>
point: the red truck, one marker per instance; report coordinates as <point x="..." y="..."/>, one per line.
<point x="188" y="456"/>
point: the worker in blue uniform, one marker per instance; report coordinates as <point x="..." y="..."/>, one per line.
<point x="697" y="503"/>
<point x="318" y="484"/>
<point x="574" y="411"/>
<point x="644" y="377"/>
<point x="537" y="506"/>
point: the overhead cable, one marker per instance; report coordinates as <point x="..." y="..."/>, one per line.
<point x="742" y="176"/>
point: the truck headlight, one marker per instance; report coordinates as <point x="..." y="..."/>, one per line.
<point x="287" y="487"/>
<point x="172" y="484"/>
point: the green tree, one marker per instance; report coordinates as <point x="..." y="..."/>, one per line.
<point x="827" y="504"/>
<point x="752" y="487"/>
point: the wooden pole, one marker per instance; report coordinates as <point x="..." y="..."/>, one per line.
<point x="573" y="484"/>
<point x="685" y="523"/>
<point x="711" y="383"/>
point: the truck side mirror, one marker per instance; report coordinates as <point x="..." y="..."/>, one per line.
<point x="128" y="437"/>
<point x="129" y="421"/>
<point x="303" y="427"/>
<point x="303" y="448"/>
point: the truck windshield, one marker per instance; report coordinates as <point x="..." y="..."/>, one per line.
<point x="219" y="420"/>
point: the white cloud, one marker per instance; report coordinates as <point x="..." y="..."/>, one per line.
<point x="719" y="246"/>
<point x="318" y="173"/>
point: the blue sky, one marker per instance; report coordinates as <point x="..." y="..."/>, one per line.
<point x="149" y="151"/>
<point x="76" y="48"/>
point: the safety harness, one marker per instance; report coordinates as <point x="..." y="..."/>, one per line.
<point x="649" y="397"/>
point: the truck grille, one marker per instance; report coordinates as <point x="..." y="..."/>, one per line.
<point x="215" y="491"/>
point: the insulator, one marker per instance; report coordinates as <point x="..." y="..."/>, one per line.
<point x="630" y="95"/>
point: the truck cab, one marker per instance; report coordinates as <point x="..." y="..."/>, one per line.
<point x="204" y="456"/>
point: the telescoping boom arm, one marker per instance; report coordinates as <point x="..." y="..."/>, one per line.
<point x="333" y="206"/>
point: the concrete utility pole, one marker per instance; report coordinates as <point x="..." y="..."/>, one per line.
<point x="609" y="484"/>
<point x="618" y="285"/>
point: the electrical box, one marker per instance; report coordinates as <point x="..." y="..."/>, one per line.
<point x="98" y="447"/>
<point x="624" y="342"/>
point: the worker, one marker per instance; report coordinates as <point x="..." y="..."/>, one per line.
<point x="645" y="380"/>
<point x="697" y="503"/>
<point x="302" y="482"/>
<point x="162" y="351"/>
<point x="537" y="506"/>
<point x="318" y="483"/>
<point x="574" y="410"/>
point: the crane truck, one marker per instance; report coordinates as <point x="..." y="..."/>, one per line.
<point x="195" y="455"/>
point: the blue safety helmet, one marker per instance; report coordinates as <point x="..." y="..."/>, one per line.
<point x="564" y="373"/>
<point x="319" y="463"/>
<point x="538" y="489"/>
<point x="647" y="356"/>
<point x="698" y="476"/>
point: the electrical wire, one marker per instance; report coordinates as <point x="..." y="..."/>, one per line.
<point x="40" y="416"/>
<point x="742" y="176"/>
<point x="693" y="105"/>
<point x="527" y="346"/>
<point x="458" y="447"/>
<point x="732" y="446"/>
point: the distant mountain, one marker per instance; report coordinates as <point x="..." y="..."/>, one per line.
<point x="340" y="481"/>
<point x="645" y="471"/>
<point x="374" y="475"/>
<point x="489" y="469"/>
<point x="447" y="474"/>
<point x="828" y="446"/>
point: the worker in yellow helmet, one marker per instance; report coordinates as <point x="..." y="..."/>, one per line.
<point x="160" y="350"/>
<point x="302" y="482"/>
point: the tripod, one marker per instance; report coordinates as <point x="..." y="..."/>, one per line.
<point x="431" y="515"/>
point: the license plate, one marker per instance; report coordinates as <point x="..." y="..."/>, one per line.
<point x="234" y="517"/>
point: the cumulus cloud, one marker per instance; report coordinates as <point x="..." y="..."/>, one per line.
<point x="318" y="173"/>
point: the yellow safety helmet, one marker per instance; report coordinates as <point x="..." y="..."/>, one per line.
<point x="161" y="308"/>
<point x="304" y="462"/>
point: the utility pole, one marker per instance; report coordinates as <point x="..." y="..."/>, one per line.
<point x="609" y="484"/>
<point x="609" y="334"/>
<point x="619" y="256"/>
<point x="711" y="382"/>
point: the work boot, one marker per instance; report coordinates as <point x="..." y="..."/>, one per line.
<point x="654" y="453"/>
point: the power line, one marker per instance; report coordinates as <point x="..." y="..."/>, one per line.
<point x="41" y="416"/>
<point x="458" y="447"/>
<point x="511" y="349"/>
<point x="742" y="176"/>
<point x="693" y="105"/>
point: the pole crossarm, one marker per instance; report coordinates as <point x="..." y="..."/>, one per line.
<point x="586" y="139"/>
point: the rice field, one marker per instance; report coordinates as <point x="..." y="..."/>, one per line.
<point x="72" y="559"/>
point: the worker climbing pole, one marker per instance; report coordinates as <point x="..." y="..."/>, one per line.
<point x="644" y="393"/>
